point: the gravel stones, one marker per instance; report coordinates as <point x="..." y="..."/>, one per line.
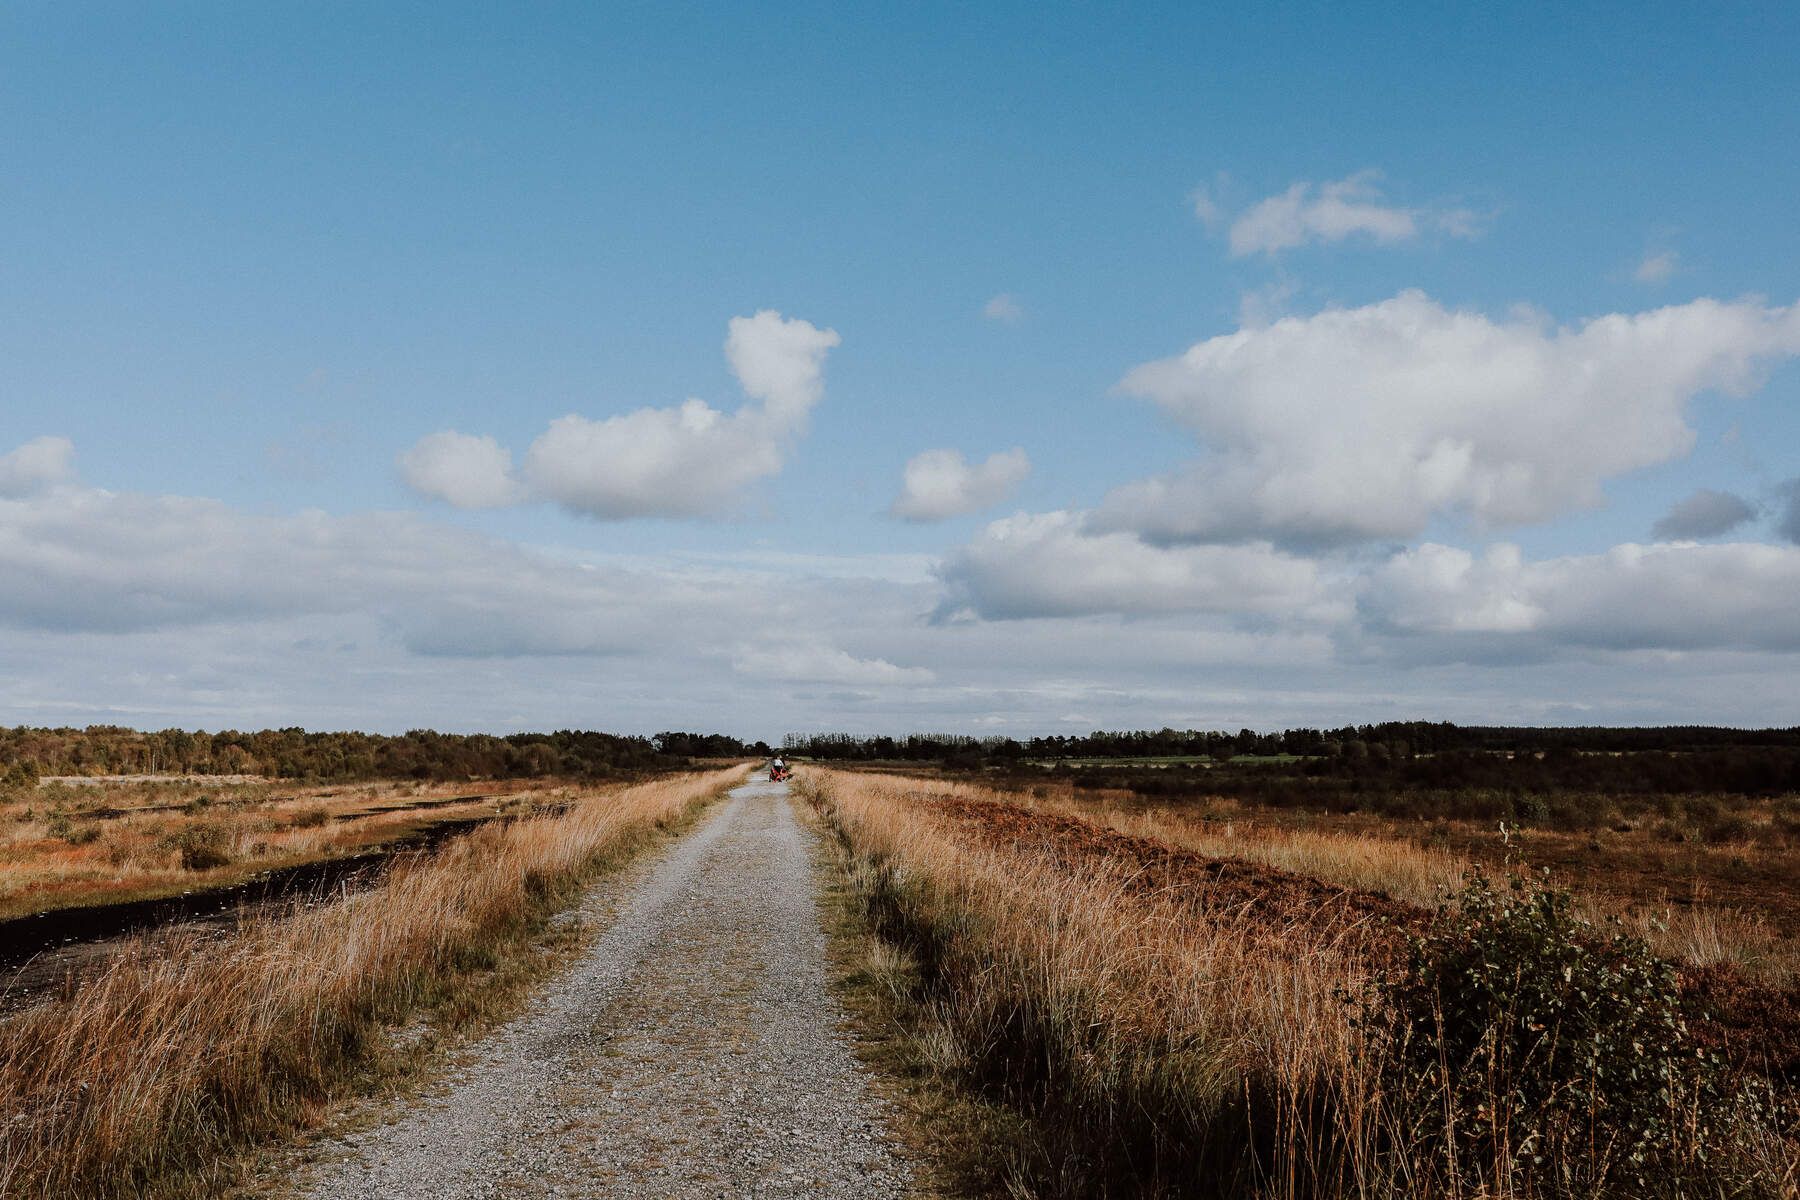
<point x="693" y="1050"/>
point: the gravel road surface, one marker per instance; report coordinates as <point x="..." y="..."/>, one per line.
<point x="692" y="1051"/>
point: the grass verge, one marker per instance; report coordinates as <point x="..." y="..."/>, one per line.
<point x="960" y="1143"/>
<point x="154" y="1075"/>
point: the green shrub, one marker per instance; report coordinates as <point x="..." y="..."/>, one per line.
<point x="1532" y="1054"/>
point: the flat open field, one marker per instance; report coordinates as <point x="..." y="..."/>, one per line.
<point x="889" y="985"/>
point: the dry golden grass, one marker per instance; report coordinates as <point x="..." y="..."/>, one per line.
<point x="1164" y="1042"/>
<point x="52" y="855"/>
<point x="1130" y="1003"/>
<point x="184" y="1047"/>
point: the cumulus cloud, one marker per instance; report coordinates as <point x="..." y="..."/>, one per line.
<point x="1706" y="513"/>
<point x="1656" y="267"/>
<point x="1632" y="597"/>
<point x="1004" y="308"/>
<point x="1366" y="423"/>
<point x="1332" y="212"/>
<point x="779" y="361"/>
<point x="40" y="463"/>
<point x="689" y="460"/>
<point x="939" y="484"/>
<point x="1049" y="565"/>
<point x="461" y="469"/>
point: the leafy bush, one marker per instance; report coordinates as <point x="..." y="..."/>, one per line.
<point x="1533" y="1054"/>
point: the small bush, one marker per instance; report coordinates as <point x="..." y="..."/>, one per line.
<point x="1787" y="817"/>
<point x="201" y="846"/>
<point x="1535" y="1055"/>
<point x="1728" y="827"/>
<point x="310" y="818"/>
<point x="1531" y="809"/>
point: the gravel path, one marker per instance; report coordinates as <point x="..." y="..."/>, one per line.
<point x="692" y="1051"/>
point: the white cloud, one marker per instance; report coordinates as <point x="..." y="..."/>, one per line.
<point x="1049" y="565"/>
<point x="40" y="463"/>
<point x="813" y="662"/>
<point x="1656" y="267"/>
<point x="780" y="362"/>
<point x="1004" y="308"/>
<point x="689" y="460"/>
<point x="1676" y="596"/>
<point x="1706" y="513"/>
<point x="1366" y="423"/>
<point x="1332" y="212"/>
<point x="939" y="484"/>
<point x="686" y="461"/>
<point x="461" y="469"/>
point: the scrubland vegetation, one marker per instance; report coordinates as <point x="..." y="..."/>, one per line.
<point x="1175" y="1009"/>
<point x="154" y="1072"/>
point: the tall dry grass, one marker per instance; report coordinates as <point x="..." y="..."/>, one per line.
<point x="1165" y="1043"/>
<point x="185" y="1047"/>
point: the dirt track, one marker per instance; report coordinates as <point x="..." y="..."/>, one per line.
<point x="694" y="1050"/>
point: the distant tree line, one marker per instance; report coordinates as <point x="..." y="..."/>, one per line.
<point x="28" y="753"/>
<point x="1388" y="740"/>
<point x="1347" y="764"/>
<point x="707" y="745"/>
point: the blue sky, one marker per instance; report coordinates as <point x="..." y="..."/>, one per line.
<point x="249" y="258"/>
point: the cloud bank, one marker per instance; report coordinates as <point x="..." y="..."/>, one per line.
<point x="1632" y="597"/>
<point x="1049" y="565"/>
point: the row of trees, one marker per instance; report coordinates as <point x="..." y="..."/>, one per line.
<point x="1387" y="741"/>
<point x="27" y="753"/>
